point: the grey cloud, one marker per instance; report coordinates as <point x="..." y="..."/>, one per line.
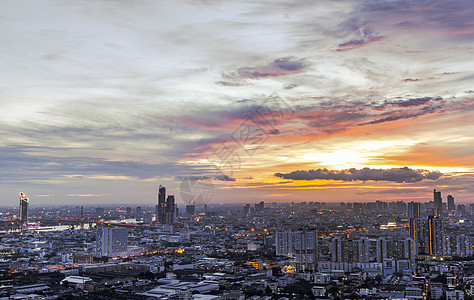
<point x="228" y="83"/>
<point x="205" y="177"/>
<point x="24" y="163"/>
<point x="412" y="102"/>
<point x="365" y="37"/>
<point x="279" y="67"/>
<point x="404" y="174"/>
<point x="399" y="117"/>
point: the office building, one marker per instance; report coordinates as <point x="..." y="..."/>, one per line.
<point x="166" y="207"/>
<point x="170" y="209"/>
<point x="24" y="201"/>
<point x="161" y="206"/>
<point x="148" y="218"/>
<point x="111" y="241"/>
<point x="99" y="212"/>
<point x="139" y="214"/>
<point x="191" y="209"/>
<point x="438" y="203"/>
<point x="451" y="207"/>
<point x="414" y="210"/>
<point x="247" y="210"/>
<point x="260" y="207"/>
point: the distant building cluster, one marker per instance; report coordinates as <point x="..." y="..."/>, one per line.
<point x="305" y="250"/>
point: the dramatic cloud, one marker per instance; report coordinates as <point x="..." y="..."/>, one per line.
<point x="280" y="67"/>
<point x="404" y="174"/>
<point x="365" y="37"/>
<point x="126" y="95"/>
<point x="412" y="102"/>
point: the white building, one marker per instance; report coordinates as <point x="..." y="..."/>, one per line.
<point x="111" y="241"/>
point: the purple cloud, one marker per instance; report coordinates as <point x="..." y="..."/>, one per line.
<point x="365" y="37"/>
<point x="279" y="67"/>
<point x="404" y="174"/>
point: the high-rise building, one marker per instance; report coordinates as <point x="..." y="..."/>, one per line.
<point x="438" y="203"/>
<point x="247" y="210"/>
<point x="463" y="245"/>
<point x="409" y="249"/>
<point x="166" y="207"/>
<point x="284" y="243"/>
<point x="147" y="218"/>
<point x="428" y="236"/>
<point x="437" y="241"/>
<point x="99" y="212"/>
<point x="82" y="217"/>
<point x="139" y="214"/>
<point x="129" y="210"/>
<point x="260" y="207"/>
<point x="363" y="249"/>
<point x="24" y="201"/>
<point x="170" y="209"/>
<point x="111" y="241"/>
<point x="381" y="252"/>
<point x="306" y="249"/>
<point x="161" y="206"/>
<point x="414" y="210"/>
<point x="191" y="209"/>
<point x="343" y="250"/>
<point x="451" y="207"/>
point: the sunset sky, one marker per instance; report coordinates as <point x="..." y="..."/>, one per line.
<point x="102" y="101"/>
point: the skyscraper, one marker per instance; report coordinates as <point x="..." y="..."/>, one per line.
<point x="139" y="214"/>
<point x="438" y="203"/>
<point x="260" y="207"/>
<point x="414" y="210"/>
<point x="161" y="206"/>
<point x="170" y="209"/>
<point x="100" y="212"/>
<point x="166" y="207"/>
<point x="24" y="201"/>
<point x="111" y="241"/>
<point x="450" y="203"/>
<point x="191" y="209"/>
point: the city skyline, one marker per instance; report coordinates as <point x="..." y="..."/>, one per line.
<point x="348" y="101"/>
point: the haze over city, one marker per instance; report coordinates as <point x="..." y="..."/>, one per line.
<point x="332" y="101"/>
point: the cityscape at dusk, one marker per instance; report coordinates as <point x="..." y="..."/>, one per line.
<point x="217" y="150"/>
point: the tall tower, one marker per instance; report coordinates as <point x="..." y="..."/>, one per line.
<point x="24" y="201"/>
<point x="450" y="203"/>
<point x="437" y="241"/>
<point x="82" y="217"/>
<point x="170" y="209"/>
<point x="438" y="203"/>
<point x="306" y="249"/>
<point x="161" y="206"/>
<point x="414" y="210"/>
